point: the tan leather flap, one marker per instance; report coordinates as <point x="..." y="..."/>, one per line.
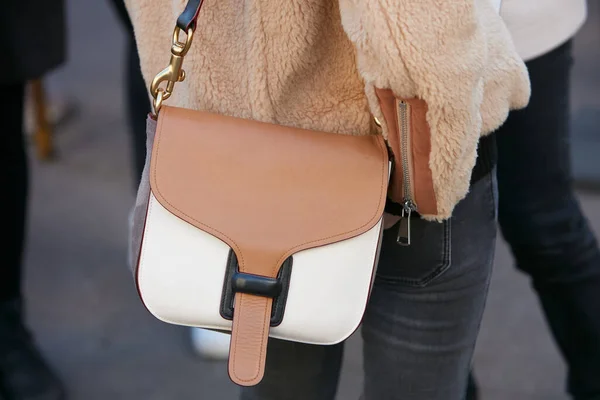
<point x="267" y="191"/>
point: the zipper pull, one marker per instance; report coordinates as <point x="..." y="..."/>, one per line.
<point x="403" y="238"/>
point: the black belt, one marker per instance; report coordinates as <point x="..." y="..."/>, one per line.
<point x="487" y="157"/>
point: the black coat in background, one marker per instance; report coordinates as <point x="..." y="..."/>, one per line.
<point x="32" y="38"/>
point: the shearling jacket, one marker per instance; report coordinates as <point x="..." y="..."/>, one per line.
<point x="316" y="64"/>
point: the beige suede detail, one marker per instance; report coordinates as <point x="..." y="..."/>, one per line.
<point x="314" y="63"/>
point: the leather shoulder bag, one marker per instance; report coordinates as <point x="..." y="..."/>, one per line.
<point x="254" y="228"/>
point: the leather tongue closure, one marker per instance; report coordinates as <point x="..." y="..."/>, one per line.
<point x="249" y="337"/>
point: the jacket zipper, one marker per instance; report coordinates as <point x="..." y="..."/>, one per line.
<point x="408" y="205"/>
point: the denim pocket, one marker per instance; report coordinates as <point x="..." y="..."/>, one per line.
<point x="427" y="257"/>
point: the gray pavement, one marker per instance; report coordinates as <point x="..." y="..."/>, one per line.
<point x="82" y="302"/>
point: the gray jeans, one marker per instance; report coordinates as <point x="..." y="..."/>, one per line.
<point x="422" y="319"/>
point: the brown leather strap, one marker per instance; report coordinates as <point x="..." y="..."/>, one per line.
<point x="188" y="17"/>
<point x="249" y="337"/>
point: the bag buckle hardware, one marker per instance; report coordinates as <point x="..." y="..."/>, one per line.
<point x="174" y="72"/>
<point x="255" y="284"/>
<point x="240" y="282"/>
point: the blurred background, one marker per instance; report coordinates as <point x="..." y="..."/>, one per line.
<point x="81" y="299"/>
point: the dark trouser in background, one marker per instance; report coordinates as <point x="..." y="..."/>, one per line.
<point x="138" y="103"/>
<point x="542" y="221"/>
<point x="23" y="372"/>
<point x="13" y="201"/>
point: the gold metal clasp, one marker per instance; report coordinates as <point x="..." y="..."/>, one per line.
<point x="174" y="72"/>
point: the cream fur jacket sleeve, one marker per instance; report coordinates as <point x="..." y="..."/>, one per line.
<point x="315" y="64"/>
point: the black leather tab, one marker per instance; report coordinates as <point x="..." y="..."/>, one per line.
<point x="254" y="284"/>
<point x="188" y="17"/>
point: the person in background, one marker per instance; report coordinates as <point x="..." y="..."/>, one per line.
<point x="539" y="214"/>
<point x="206" y="343"/>
<point x="32" y="42"/>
